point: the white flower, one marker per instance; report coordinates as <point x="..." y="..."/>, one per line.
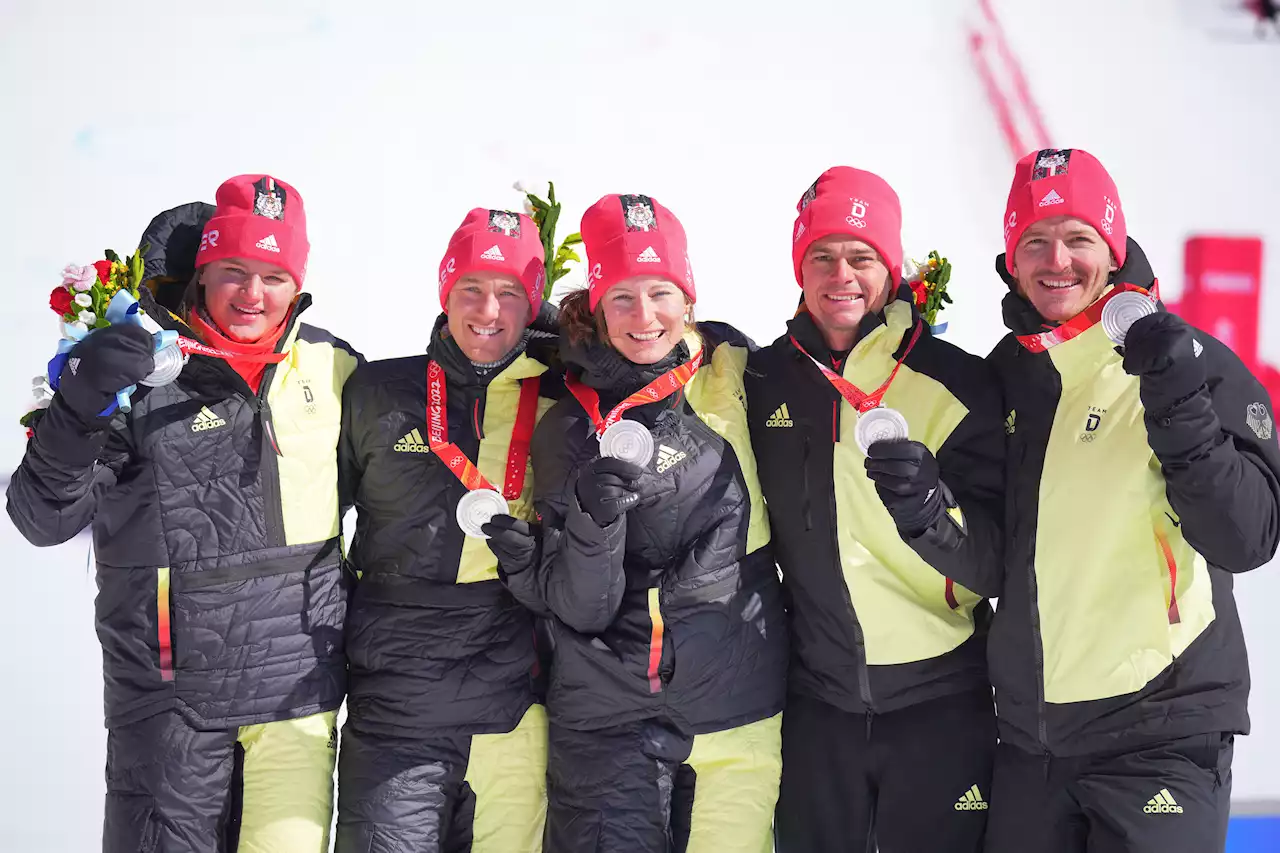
<point x="910" y="270"/>
<point x="87" y="317"/>
<point x="73" y="331"/>
<point x="538" y="188"/>
<point x="78" y="277"/>
<point x="84" y="300"/>
<point x="528" y="208"/>
<point x="41" y="393"/>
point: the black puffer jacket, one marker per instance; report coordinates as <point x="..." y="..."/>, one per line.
<point x="1117" y="626"/>
<point x="437" y="644"/>
<point x="675" y="609"/>
<point x="220" y="580"/>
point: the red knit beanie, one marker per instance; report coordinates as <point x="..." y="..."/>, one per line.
<point x="850" y="201"/>
<point x="261" y="218"/>
<point x="496" y="241"/>
<point x="1066" y="182"/>
<point x="633" y="235"/>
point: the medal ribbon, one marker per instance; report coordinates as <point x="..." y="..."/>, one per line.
<point x="1083" y="321"/>
<point x="453" y="457"/>
<point x="190" y="345"/>
<point x="659" y="389"/>
<point x="861" y="401"/>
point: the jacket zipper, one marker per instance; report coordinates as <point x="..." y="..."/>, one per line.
<point x="273" y="502"/>
<point x="859" y="639"/>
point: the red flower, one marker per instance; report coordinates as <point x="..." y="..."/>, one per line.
<point x="104" y="270"/>
<point x="920" y="290"/>
<point x="60" y="300"/>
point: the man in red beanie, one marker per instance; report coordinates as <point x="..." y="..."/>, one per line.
<point x="1143" y="473"/>
<point x="216" y="523"/>
<point x="880" y="452"/>
<point x="445" y="745"/>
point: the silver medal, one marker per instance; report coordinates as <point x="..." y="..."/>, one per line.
<point x="169" y="361"/>
<point x="629" y="441"/>
<point x="1121" y="311"/>
<point x="882" y="424"/>
<point x="476" y="508"/>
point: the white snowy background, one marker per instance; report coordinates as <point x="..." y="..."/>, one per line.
<point x="394" y="119"/>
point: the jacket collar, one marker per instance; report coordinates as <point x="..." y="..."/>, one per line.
<point x="603" y="368"/>
<point x="458" y="369"/>
<point x="167" y="319"/>
<point x="897" y="316"/>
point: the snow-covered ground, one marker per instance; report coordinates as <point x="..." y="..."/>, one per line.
<point x="395" y="118"/>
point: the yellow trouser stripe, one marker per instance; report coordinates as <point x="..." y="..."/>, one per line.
<point x="288" y="785"/>
<point x="508" y="773"/>
<point x="737" y="772"/>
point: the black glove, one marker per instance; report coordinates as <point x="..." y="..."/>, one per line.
<point x="1161" y="350"/>
<point x="514" y="542"/>
<point x="109" y="360"/>
<point x="906" y="478"/>
<point x="607" y="488"/>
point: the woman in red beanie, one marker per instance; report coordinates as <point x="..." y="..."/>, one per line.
<point x="216" y="523"/>
<point x="655" y="568"/>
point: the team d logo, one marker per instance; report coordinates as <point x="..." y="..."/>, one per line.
<point x="1108" y="215"/>
<point x="857" y="213"/>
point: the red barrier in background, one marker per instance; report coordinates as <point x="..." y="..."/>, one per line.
<point x="1222" y="294"/>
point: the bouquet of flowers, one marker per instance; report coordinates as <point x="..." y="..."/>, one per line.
<point x="546" y="214"/>
<point x="81" y="305"/>
<point x="928" y="280"/>
<point x="81" y="300"/>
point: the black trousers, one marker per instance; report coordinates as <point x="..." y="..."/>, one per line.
<point x="646" y="787"/>
<point x="482" y="793"/>
<point x="907" y="781"/>
<point x="173" y="788"/>
<point x="1172" y="797"/>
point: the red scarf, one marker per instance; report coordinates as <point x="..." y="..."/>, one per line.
<point x="250" y="371"/>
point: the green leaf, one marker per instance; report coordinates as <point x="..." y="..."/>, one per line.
<point x="111" y="255"/>
<point x="572" y="240"/>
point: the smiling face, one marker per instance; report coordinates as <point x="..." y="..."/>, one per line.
<point x="645" y="318"/>
<point x="488" y="312"/>
<point x="844" y="279"/>
<point x="247" y="298"/>
<point x="1062" y="266"/>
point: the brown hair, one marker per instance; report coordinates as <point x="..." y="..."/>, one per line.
<point x="581" y="325"/>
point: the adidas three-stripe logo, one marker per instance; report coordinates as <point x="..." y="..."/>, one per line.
<point x="972" y="801"/>
<point x="1162" y="803"/>
<point x="268" y="243"/>
<point x="206" y="419"/>
<point x="668" y="456"/>
<point x="412" y="443"/>
<point x="780" y="418"/>
<point x="493" y="253"/>
<point x="648" y="256"/>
